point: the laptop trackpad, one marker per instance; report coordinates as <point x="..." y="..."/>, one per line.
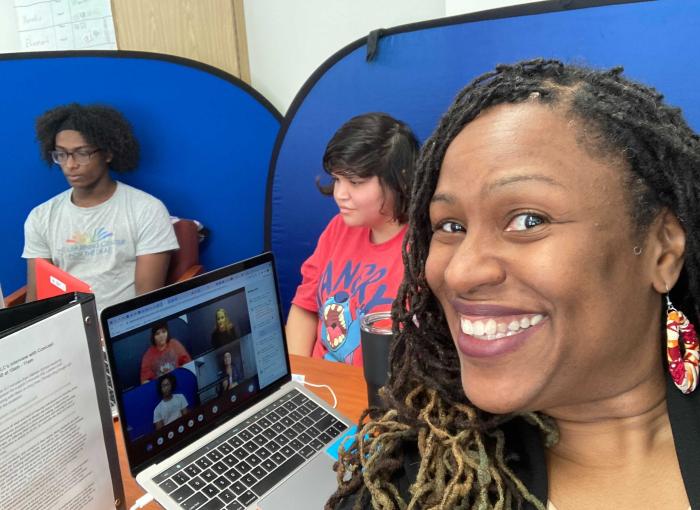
<point x="307" y="489"/>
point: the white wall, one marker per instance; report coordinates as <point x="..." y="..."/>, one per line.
<point x="453" y="7"/>
<point x="289" y="39"/>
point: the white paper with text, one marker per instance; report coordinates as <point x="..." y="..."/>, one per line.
<point x="46" y="25"/>
<point x="52" y="447"/>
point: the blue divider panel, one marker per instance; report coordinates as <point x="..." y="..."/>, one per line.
<point x="419" y="69"/>
<point x="206" y="140"/>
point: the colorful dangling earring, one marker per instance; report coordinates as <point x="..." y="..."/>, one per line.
<point x="682" y="364"/>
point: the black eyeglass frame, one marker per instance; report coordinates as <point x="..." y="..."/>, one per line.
<point x="81" y="156"/>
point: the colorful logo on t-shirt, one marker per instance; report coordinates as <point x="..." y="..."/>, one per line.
<point x="83" y="245"/>
<point x="336" y="321"/>
<point x="84" y="238"/>
<point x="346" y="297"/>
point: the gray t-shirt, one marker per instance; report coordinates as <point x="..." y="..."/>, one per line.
<point x="100" y="244"/>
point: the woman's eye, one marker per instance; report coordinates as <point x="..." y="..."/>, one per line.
<point x="450" y="227"/>
<point x="525" y="221"/>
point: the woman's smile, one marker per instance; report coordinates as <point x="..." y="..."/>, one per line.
<point x="492" y="337"/>
<point x="494" y="328"/>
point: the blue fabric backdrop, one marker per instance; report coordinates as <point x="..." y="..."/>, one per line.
<point x="419" y="69"/>
<point x="206" y="139"/>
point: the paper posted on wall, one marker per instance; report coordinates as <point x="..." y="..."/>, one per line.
<point x="64" y="25"/>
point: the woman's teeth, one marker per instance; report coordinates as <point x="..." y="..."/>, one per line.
<point x="491" y="329"/>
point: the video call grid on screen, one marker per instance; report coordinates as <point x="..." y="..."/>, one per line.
<point x="255" y="352"/>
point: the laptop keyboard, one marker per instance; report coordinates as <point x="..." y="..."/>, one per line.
<point x="240" y="466"/>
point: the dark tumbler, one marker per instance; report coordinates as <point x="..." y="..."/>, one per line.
<point x="375" y="337"/>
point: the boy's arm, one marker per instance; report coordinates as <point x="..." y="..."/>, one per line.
<point x="151" y="271"/>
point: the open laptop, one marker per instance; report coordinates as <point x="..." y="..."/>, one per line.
<point x="52" y="281"/>
<point x="224" y="425"/>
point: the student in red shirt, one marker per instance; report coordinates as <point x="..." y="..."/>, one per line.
<point x="165" y="354"/>
<point x="356" y="267"/>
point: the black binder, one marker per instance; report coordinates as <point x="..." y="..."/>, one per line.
<point x="36" y="339"/>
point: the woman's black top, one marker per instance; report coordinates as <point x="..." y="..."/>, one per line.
<point x="221" y="338"/>
<point x="526" y="442"/>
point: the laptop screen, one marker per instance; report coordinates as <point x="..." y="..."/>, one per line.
<point x="189" y="356"/>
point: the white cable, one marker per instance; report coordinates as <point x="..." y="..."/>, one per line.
<point x="142" y="502"/>
<point x="335" y="400"/>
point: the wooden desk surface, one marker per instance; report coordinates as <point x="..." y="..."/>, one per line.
<point x="347" y="382"/>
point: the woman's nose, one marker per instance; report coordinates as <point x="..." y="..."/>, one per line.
<point x="475" y="264"/>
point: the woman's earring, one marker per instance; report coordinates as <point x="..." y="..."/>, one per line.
<point x="682" y="364"/>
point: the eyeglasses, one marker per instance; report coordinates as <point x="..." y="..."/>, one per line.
<point x="81" y="156"/>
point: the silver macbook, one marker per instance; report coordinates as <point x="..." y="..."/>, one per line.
<point x="209" y="414"/>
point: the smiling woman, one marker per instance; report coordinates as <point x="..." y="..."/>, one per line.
<point x="553" y="209"/>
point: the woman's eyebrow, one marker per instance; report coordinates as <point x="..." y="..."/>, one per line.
<point x="442" y="197"/>
<point x="514" y="179"/>
<point x="490" y="187"/>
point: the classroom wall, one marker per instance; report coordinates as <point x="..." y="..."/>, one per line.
<point x="275" y="45"/>
<point x="208" y="31"/>
<point x="289" y="39"/>
<point x="454" y="7"/>
<point x="8" y="25"/>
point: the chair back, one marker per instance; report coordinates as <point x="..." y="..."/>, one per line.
<point x="184" y="262"/>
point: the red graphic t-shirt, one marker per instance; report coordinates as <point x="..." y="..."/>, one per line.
<point x="346" y="277"/>
<point x="156" y="363"/>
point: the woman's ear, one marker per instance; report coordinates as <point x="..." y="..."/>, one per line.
<point x="667" y="239"/>
<point x="109" y="156"/>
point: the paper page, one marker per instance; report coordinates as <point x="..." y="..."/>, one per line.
<point x="51" y="441"/>
<point x="43" y="25"/>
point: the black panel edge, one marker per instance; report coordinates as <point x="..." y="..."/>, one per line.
<point x="543" y="7"/>
<point x="147" y="55"/>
